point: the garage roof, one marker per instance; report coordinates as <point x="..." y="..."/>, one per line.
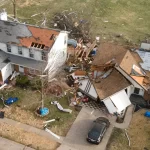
<point x="110" y="85"/>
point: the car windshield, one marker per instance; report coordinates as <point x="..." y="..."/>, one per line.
<point x="93" y="134"/>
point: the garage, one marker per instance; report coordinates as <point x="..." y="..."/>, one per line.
<point x="117" y="102"/>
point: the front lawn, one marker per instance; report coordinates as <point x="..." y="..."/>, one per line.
<point x="24" y="110"/>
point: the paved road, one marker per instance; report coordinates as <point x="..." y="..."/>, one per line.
<point x="6" y="144"/>
<point x="76" y="137"/>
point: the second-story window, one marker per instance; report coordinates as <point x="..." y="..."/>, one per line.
<point x="31" y="54"/>
<point x="20" y="50"/>
<point x="8" y="48"/>
<point x="43" y="55"/>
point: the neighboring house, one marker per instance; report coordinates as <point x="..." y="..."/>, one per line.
<point x="123" y="76"/>
<point x="24" y="48"/>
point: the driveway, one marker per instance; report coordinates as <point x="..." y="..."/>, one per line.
<point x="76" y="137"/>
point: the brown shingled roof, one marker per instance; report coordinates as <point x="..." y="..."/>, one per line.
<point x="110" y="85"/>
<point x="108" y="51"/>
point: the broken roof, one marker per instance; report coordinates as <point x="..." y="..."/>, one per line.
<point x="26" y="35"/>
<point x="110" y="85"/>
<point x="109" y="51"/>
<point x="26" y="62"/>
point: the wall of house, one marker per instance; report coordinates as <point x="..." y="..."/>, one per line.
<point x="6" y="71"/>
<point x="3" y="47"/>
<point x="14" y="49"/>
<point x="37" y="55"/>
<point x="25" y="51"/>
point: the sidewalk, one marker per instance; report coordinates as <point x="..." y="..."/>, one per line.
<point x="6" y="144"/>
<point x="29" y="128"/>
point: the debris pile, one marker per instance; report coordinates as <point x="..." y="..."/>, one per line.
<point x="70" y="21"/>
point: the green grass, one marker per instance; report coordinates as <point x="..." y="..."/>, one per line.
<point x="118" y="140"/>
<point x="127" y="17"/>
<point x="29" y="100"/>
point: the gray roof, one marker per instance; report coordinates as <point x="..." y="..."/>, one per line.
<point x="26" y="62"/>
<point x="10" y="31"/>
<point x="24" y="34"/>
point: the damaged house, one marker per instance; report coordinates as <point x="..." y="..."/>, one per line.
<point x="24" y="48"/>
<point x="117" y="75"/>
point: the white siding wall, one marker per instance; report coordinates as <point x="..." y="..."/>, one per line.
<point x="130" y="90"/>
<point x="3" y="47"/>
<point x="6" y="71"/>
<point x="14" y="49"/>
<point x="37" y="55"/>
<point x="25" y="52"/>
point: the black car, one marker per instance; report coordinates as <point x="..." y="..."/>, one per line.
<point x="98" y="130"/>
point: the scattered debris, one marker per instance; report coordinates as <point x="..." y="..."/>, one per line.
<point x="60" y="107"/>
<point x="10" y="100"/>
<point x="49" y="131"/>
<point x="70" y="21"/>
<point x="127" y="136"/>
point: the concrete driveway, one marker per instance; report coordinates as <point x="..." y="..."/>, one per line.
<point x="76" y="137"/>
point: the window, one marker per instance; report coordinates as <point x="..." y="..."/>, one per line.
<point x="136" y="90"/>
<point x="20" y="50"/>
<point x="43" y="55"/>
<point x="31" y="54"/>
<point x="8" y="48"/>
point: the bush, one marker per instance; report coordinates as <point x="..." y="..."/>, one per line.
<point x="35" y="84"/>
<point x="22" y="81"/>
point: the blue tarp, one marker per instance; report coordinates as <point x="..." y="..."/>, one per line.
<point x="147" y="114"/>
<point x="72" y="42"/>
<point x="11" y="100"/>
<point x="44" y="111"/>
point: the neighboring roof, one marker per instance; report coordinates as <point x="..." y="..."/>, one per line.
<point x="110" y="85"/>
<point x="145" y="46"/>
<point x="127" y="62"/>
<point x="108" y="51"/>
<point x="145" y="56"/>
<point x="26" y="62"/>
<point x="24" y="35"/>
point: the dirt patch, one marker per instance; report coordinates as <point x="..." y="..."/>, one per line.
<point x="24" y="116"/>
<point x="139" y="131"/>
<point x="26" y="138"/>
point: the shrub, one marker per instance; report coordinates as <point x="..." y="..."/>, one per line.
<point x="35" y="84"/>
<point x="22" y="81"/>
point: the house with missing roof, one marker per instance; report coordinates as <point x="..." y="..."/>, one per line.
<point x="116" y="76"/>
<point x="25" y="48"/>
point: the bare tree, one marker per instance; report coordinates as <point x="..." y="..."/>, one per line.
<point x="14" y="2"/>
